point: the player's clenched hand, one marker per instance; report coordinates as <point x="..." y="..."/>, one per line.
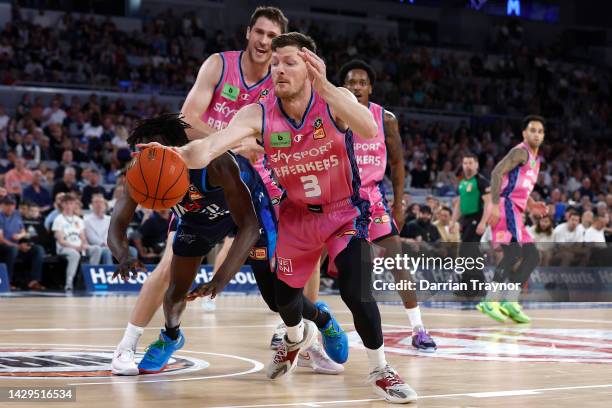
<point x="128" y="267"/>
<point x="316" y="69"/>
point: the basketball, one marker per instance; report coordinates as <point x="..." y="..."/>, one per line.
<point x="157" y="178"/>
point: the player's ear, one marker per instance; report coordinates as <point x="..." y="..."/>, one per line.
<point x="248" y="33"/>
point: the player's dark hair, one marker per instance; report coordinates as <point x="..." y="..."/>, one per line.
<point x="295" y="39"/>
<point x="167" y="129"/>
<point x="271" y="13"/>
<point x="533" y="118"/>
<point x="357" y="64"/>
<point x="469" y="155"/>
<point x="446" y="208"/>
<point x="571" y="212"/>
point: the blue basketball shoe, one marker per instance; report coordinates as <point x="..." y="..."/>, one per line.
<point x="335" y="341"/>
<point x="159" y="352"/>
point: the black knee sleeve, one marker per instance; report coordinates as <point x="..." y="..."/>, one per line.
<point x="531" y="259"/>
<point x="353" y="275"/>
<point x="265" y="281"/>
<point x="289" y="302"/>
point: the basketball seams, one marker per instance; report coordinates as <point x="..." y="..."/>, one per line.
<point x="142" y="174"/>
<point x="175" y="181"/>
<point x="159" y="175"/>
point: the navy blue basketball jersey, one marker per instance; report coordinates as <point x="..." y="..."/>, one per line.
<point x="204" y="209"/>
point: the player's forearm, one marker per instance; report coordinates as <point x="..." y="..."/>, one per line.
<point x="356" y="116"/>
<point x="456" y="212"/>
<point x="398" y="175"/>
<point x="246" y="237"/>
<point x="497" y="177"/>
<point x="530" y="202"/>
<point x="199" y="153"/>
<point x="199" y="129"/>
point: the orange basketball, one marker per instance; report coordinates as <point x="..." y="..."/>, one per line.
<point x="157" y="178"/>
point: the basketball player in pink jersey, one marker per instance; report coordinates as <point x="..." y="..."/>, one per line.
<point x="225" y="82"/>
<point x="306" y="134"/>
<point x="512" y="182"/>
<point x="371" y="154"/>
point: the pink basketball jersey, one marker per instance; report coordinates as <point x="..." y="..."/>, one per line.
<point x="518" y="184"/>
<point x="232" y="93"/>
<point x="312" y="160"/>
<point x="371" y="154"/>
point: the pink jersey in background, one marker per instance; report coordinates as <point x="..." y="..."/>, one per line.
<point x="371" y="154"/>
<point x="518" y="184"/>
<point x="232" y="93"/>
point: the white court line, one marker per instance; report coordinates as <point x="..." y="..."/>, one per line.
<point x="257" y="365"/>
<point x="60" y="329"/>
<point x="492" y="394"/>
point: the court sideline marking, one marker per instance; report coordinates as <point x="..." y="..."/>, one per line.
<point x="491" y="394"/>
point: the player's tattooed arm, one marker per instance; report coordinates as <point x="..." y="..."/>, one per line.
<point x="199" y="97"/>
<point x="247" y="123"/>
<point x="396" y="161"/>
<point x="117" y="239"/>
<point x="516" y="157"/>
<point x="225" y="173"/>
<point x="345" y="108"/>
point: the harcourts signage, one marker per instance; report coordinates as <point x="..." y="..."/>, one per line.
<point x="99" y="278"/>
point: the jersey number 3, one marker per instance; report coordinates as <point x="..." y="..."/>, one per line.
<point x="311" y="186"/>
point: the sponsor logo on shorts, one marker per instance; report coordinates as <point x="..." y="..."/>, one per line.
<point x="347" y="232"/>
<point x="258" y="253"/>
<point x="36" y="362"/>
<point x="500" y="235"/>
<point x="508" y="344"/>
<point x="245" y="96"/>
<point x="185" y="237"/>
<point x="382" y="220"/>
<point x="284" y="266"/>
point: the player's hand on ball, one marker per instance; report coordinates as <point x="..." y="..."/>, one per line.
<point x="128" y="267"/>
<point x="143" y="146"/>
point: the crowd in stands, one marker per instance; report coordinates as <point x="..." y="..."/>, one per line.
<point x="61" y="163"/>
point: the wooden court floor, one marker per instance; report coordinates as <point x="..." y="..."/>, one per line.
<point x="562" y="359"/>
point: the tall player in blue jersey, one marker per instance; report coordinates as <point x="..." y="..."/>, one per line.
<point x="227" y="196"/>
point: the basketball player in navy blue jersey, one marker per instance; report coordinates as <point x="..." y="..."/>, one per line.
<point x="227" y="196"/>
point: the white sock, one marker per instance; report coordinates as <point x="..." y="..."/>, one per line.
<point x="376" y="358"/>
<point x="131" y="335"/>
<point x="414" y="315"/>
<point x="295" y="334"/>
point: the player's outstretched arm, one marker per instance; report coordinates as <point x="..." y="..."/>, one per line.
<point x="515" y="157"/>
<point x="347" y="111"/>
<point x="245" y="124"/>
<point x="393" y="142"/>
<point x="117" y="239"/>
<point x="200" y="95"/>
<point x="225" y="173"/>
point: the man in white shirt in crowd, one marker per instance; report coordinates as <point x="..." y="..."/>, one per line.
<point x="570" y="231"/>
<point x="96" y="227"/>
<point x="569" y="237"/>
<point x="595" y="233"/>
<point x="69" y="231"/>
<point x="54" y="113"/>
